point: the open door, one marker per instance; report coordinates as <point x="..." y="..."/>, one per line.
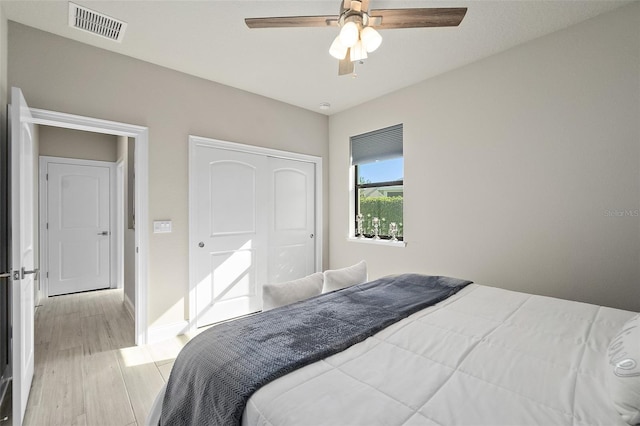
<point x="22" y="250"/>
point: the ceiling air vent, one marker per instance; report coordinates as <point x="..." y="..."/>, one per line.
<point x="96" y="23"/>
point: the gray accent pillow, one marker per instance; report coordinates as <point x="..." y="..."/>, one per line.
<point x="623" y="375"/>
<point x="276" y="295"/>
<point x="337" y="279"/>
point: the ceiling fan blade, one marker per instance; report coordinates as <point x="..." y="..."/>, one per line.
<point x="417" y="18"/>
<point x="292" y="21"/>
<point x="346" y="66"/>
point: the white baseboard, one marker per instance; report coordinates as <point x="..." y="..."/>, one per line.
<point x="129" y="307"/>
<point x="168" y="331"/>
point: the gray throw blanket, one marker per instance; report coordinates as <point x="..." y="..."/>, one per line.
<point x="216" y="372"/>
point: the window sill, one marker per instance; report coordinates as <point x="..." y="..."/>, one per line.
<point x="377" y="242"/>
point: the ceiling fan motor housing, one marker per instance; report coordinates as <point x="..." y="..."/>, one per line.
<point x="353" y="14"/>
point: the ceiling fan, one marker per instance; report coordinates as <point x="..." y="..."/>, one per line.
<point x="358" y="24"/>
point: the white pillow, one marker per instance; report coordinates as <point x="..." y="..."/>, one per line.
<point x="276" y="295"/>
<point x="623" y="375"/>
<point x="345" y="277"/>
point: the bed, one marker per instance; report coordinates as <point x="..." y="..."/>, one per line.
<point x="483" y="356"/>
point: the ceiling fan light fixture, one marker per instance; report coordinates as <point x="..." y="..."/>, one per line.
<point x="370" y="38"/>
<point x="358" y="52"/>
<point x="349" y="34"/>
<point x="337" y="49"/>
<point x="357" y="26"/>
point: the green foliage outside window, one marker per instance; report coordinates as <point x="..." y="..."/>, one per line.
<point x="387" y="209"/>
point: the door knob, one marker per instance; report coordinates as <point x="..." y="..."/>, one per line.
<point x="200" y="244"/>
<point x="105" y="233"/>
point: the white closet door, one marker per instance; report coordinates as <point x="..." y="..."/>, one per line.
<point x="291" y="219"/>
<point x="231" y="233"/>
<point x="78" y="214"/>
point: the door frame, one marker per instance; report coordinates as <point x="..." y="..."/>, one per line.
<point x="44" y="161"/>
<point x="141" y="163"/>
<point x="194" y="142"/>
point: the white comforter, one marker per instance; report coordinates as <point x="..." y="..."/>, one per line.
<point x="484" y="356"/>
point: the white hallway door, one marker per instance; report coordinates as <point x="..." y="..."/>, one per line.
<point x="254" y="223"/>
<point x="78" y="227"/>
<point x="22" y="251"/>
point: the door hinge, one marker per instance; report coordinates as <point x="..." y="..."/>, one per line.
<point x="47" y="275"/>
<point x="47" y="177"/>
<point x="136" y="249"/>
<point x="47" y="225"/>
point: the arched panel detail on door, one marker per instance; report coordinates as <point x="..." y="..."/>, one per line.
<point x="232" y="197"/>
<point x="290" y="196"/>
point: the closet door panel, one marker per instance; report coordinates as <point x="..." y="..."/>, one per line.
<point x="230" y="253"/>
<point x="292" y="219"/>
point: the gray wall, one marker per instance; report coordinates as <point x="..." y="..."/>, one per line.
<point x="515" y="167"/>
<point x="63" y="75"/>
<point x="69" y="143"/>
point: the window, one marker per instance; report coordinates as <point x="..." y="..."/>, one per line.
<point x="379" y="175"/>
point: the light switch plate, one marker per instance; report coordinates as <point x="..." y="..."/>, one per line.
<point x="161" y="226"/>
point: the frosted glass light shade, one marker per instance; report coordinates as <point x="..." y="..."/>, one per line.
<point x="337" y="49"/>
<point x="371" y="39"/>
<point x="358" y="52"/>
<point x="349" y="34"/>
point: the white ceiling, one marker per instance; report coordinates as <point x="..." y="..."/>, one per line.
<point x="209" y="39"/>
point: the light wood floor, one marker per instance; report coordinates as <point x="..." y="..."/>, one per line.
<point x="87" y="369"/>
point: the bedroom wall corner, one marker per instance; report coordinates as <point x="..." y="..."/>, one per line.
<point x="522" y="170"/>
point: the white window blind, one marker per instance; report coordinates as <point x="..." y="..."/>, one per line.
<point x="382" y="144"/>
